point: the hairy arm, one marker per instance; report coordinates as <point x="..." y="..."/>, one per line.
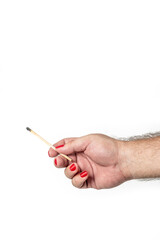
<point x="141" y="157"/>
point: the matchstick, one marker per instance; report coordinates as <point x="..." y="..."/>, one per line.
<point x="49" y="144"/>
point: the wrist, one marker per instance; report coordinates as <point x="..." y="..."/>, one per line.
<point x="124" y="159"/>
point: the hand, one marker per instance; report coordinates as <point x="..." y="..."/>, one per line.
<point x="96" y="161"/>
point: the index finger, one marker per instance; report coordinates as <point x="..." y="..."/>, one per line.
<point x="52" y="152"/>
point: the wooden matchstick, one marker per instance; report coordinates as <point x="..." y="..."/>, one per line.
<point x="49" y="144"/>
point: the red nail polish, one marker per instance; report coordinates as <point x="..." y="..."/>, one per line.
<point x="59" y="146"/>
<point x="48" y="153"/>
<point x="73" y="167"/>
<point x="84" y="174"/>
<point x="55" y="161"/>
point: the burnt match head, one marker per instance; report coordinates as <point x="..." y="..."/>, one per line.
<point x="28" y="129"/>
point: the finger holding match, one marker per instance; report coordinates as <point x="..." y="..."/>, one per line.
<point x="60" y="162"/>
<point x="54" y="153"/>
<point x="58" y="146"/>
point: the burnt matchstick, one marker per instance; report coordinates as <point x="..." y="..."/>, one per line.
<point x="49" y="144"/>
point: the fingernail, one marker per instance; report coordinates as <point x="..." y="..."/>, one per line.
<point x="48" y="153"/>
<point x="55" y="161"/>
<point x="73" y="167"/>
<point x="84" y="174"/>
<point x="59" y="146"/>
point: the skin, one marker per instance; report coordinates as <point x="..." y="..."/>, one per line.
<point x="108" y="162"/>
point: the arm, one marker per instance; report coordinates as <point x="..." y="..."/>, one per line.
<point x="101" y="162"/>
<point x="141" y="157"/>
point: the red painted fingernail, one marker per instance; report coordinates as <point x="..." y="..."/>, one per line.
<point x="48" y="153"/>
<point x="73" y="167"/>
<point x="55" y="161"/>
<point x="84" y="174"/>
<point x="59" y="146"/>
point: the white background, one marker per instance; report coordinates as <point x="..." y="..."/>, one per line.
<point x="69" y="68"/>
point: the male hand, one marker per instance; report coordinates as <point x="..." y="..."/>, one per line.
<point x="97" y="161"/>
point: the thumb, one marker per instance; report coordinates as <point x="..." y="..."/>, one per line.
<point x="77" y="145"/>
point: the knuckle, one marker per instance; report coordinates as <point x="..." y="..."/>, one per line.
<point x="76" y="182"/>
<point x="67" y="173"/>
<point x="65" y="139"/>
